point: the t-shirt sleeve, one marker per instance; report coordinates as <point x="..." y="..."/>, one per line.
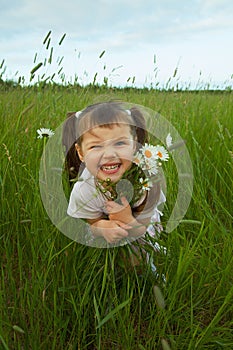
<point x="83" y="203"/>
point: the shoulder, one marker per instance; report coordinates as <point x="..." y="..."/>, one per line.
<point x="84" y="190"/>
<point x="85" y="200"/>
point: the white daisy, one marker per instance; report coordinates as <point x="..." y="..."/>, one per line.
<point x="138" y="159"/>
<point x="151" y="166"/>
<point x="148" y="151"/>
<point x="43" y="132"/>
<point x="153" y="170"/>
<point x="161" y="153"/>
<point x="146" y="184"/>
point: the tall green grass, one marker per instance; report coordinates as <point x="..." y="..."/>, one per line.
<point x="58" y="294"/>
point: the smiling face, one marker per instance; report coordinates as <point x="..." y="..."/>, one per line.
<point x="107" y="151"/>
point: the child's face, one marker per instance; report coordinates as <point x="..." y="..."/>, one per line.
<point x="107" y="152"/>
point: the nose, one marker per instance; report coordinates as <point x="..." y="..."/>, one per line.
<point x="109" y="152"/>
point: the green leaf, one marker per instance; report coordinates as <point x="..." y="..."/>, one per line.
<point x="63" y="37"/>
<point x="18" y="329"/>
<point x="102" y="53"/>
<point x="36" y="68"/>
<point x="165" y="345"/>
<point x="47" y="36"/>
<point x="159" y="297"/>
<point x="112" y="313"/>
<point x="96" y="309"/>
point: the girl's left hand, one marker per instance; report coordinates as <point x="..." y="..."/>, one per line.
<point x="121" y="212"/>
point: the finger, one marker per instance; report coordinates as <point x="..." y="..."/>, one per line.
<point x="121" y="234"/>
<point x="124" y="201"/>
<point x="120" y="231"/>
<point x="111" y="205"/>
<point x="116" y="209"/>
<point x="123" y="225"/>
<point x="117" y="236"/>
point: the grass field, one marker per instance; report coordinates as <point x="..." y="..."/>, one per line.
<point x="58" y="294"/>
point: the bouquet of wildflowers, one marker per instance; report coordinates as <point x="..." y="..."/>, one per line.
<point x="140" y="178"/>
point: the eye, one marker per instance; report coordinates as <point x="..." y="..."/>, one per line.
<point x="95" y="147"/>
<point x="120" y="143"/>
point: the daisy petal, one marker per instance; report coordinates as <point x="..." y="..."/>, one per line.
<point x="43" y="132"/>
<point x="169" y="140"/>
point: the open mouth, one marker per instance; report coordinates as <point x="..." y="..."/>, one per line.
<point x="110" y="168"/>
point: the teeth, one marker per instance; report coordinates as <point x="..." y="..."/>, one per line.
<point x="109" y="167"/>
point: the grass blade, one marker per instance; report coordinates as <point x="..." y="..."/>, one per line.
<point x="62" y="38"/>
<point x="102" y="53"/>
<point x="36" y="68"/>
<point x="112" y="313"/>
<point x="47" y="36"/>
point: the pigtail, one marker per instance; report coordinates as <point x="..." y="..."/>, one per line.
<point x="142" y="136"/>
<point x="72" y="161"/>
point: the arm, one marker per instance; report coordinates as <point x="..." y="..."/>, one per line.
<point x="123" y="213"/>
<point x="111" y="231"/>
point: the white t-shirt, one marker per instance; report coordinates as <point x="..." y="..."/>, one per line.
<point x="86" y="202"/>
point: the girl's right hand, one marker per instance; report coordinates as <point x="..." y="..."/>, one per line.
<point x="111" y="231"/>
<point x="119" y="212"/>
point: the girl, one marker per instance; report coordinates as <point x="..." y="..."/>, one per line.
<point x="100" y="143"/>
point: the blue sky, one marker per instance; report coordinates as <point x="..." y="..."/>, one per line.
<point x="145" y="39"/>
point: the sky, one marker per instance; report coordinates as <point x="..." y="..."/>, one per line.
<point x="145" y="42"/>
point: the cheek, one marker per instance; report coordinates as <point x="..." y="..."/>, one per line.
<point x="128" y="153"/>
<point x="91" y="158"/>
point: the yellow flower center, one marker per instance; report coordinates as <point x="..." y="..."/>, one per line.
<point x="148" y="153"/>
<point x="159" y="154"/>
